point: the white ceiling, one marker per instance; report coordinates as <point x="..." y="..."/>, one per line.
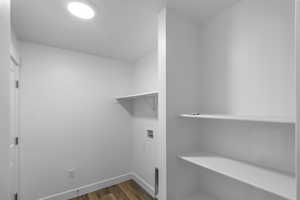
<point x="122" y="29"/>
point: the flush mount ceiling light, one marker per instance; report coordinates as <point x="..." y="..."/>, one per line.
<point x="81" y="10"/>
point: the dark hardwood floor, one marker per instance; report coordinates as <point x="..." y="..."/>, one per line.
<point x="128" y="190"/>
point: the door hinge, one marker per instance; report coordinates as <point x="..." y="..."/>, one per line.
<point x="17" y="141"/>
<point x="17" y="84"/>
<point x="16" y="196"/>
<point x="156" y="187"/>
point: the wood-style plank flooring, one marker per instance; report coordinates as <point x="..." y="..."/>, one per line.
<point x="128" y="190"/>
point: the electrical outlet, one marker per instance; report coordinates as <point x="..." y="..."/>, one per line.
<point x="71" y="173"/>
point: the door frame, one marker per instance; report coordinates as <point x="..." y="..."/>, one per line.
<point x="162" y="195"/>
<point x="14" y="148"/>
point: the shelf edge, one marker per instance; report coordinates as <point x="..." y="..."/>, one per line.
<point x="240" y="118"/>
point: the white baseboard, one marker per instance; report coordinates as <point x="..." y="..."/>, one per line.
<point x="69" y="194"/>
<point x="144" y="184"/>
<point x="89" y="188"/>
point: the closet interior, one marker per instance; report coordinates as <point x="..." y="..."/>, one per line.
<point x="88" y="97"/>
<point x="230" y="100"/>
<point x="191" y="100"/>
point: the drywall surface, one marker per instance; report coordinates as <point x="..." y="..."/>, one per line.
<point x="248" y="59"/>
<point x="70" y="120"/>
<point x="4" y="96"/>
<point x="14" y="47"/>
<point x="182" y="83"/>
<point x="298" y="93"/>
<point x="145" y="150"/>
<point x="145" y="75"/>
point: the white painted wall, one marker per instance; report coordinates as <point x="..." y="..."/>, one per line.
<point x="247" y="59"/>
<point x="182" y="82"/>
<point x="70" y="120"/>
<point x="145" y="75"/>
<point x="297" y="43"/>
<point x="239" y="62"/>
<point x="14" y="46"/>
<point x="4" y="96"/>
<point x="145" y="154"/>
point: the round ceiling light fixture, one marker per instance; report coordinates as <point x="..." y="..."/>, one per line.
<point x="81" y="10"/>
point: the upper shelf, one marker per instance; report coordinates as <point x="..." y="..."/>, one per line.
<point x="241" y="118"/>
<point x="134" y="96"/>
<point x="268" y="180"/>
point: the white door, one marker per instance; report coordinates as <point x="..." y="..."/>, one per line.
<point x="14" y="133"/>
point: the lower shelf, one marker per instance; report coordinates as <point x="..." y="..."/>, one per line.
<point x="271" y="181"/>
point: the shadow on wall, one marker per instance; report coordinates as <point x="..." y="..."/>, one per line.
<point x="141" y="108"/>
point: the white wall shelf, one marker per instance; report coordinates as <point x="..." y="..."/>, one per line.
<point x="135" y="96"/>
<point x="268" y="180"/>
<point x="241" y="118"/>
